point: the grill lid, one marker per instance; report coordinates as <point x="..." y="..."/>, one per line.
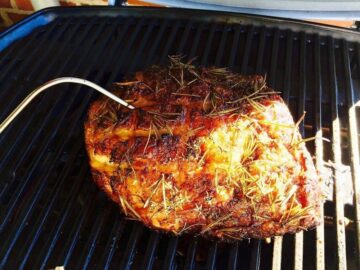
<point x="295" y="9"/>
<point x="52" y="214"/>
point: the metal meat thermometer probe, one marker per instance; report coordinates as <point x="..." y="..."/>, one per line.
<point x="47" y="85"/>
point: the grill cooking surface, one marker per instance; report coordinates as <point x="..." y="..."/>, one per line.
<point x="52" y="214"/>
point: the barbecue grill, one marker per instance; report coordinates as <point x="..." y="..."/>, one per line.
<point x="52" y="214"/>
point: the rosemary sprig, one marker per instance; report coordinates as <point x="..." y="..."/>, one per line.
<point x="309" y="139"/>
<point x="256" y="105"/>
<point x="219" y="71"/>
<point x="245" y="97"/>
<point x="186" y="228"/>
<point x="148" y="139"/>
<point x="300" y="213"/>
<point x="296" y="127"/>
<point x="233" y="237"/>
<point x="172" y="76"/>
<point x="249" y="147"/>
<point x="216" y="180"/>
<point x="126" y="83"/>
<point x="185" y="94"/>
<point x="164" y="114"/>
<point x="163" y="191"/>
<point x="275" y="124"/>
<point x="122" y="204"/>
<point x="130" y="164"/>
<point x="155" y="187"/>
<point x="126" y="205"/>
<point x="177" y="65"/>
<point x="224" y="112"/>
<point x="202" y="159"/>
<point x="215" y="223"/>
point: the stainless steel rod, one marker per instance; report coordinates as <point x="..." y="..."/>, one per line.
<point x="47" y="85"/>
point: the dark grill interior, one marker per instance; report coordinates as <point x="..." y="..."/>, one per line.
<point x="51" y="213"/>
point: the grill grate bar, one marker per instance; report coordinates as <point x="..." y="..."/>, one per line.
<point x="21" y="131"/>
<point x="336" y="139"/>
<point x="354" y="142"/>
<point x="69" y="246"/>
<point x="41" y="150"/>
<point x="55" y="233"/>
<point x="234" y="47"/>
<point x="13" y="237"/>
<point x="25" y="70"/>
<point x="245" y="60"/>
<point x="155" y="44"/>
<point x="298" y="254"/>
<point x="303" y="79"/>
<point x="199" y="31"/>
<point x="91" y="243"/>
<point x="274" y="57"/>
<point x="208" y="44"/>
<point x="60" y="225"/>
<point x="142" y="45"/>
<point x="125" y="58"/>
<point x="44" y="216"/>
<point x="220" y="51"/>
<point x="288" y="66"/>
<point x="16" y="199"/>
<point x="149" y="257"/>
<point x="299" y="237"/>
<point x="120" y="57"/>
<point x="38" y="66"/>
<point x="17" y="50"/>
<point x="131" y="246"/>
<point x="19" y="94"/>
<point x="39" y="224"/>
<point x="52" y="164"/>
<point x="276" y="263"/>
<point x="191" y="255"/>
<point x="119" y="53"/>
<point x="23" y="51"/>
<point x="84" y="34"/>
<point x="233" y="258"/>
<point x="184" y="37"/>
<point x="319" y="150"/>
<point x="255" y="254"/>
<point x="211" y="259"/>
<point x="260" y="53"/>
<point x="111" y="245"/>
<point x="166" y="50"/>
<point x="170" y="253"/>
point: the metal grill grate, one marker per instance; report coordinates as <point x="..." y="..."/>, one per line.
<point x="52" y="214"/>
